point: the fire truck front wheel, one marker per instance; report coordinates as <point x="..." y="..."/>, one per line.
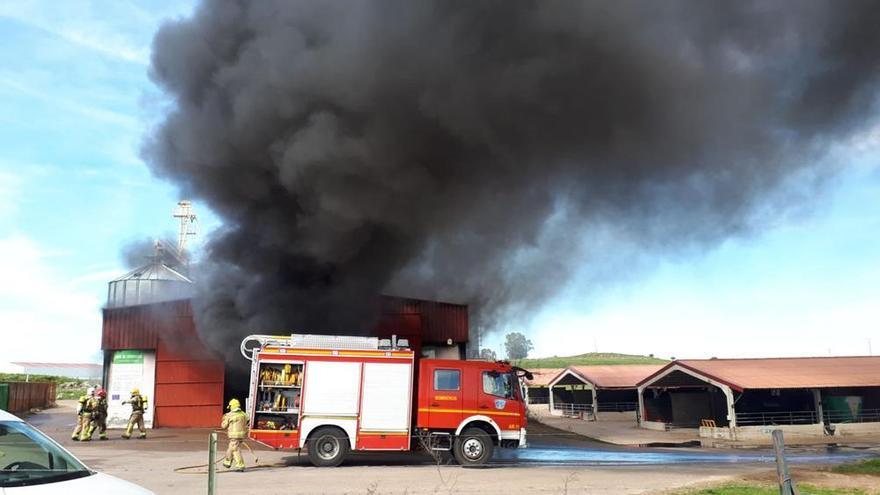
<point x="327" y="446"/>
<point x="473" y="447"/>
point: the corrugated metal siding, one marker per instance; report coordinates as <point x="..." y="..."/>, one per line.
<point x="23" y="396"/>
<point x="190" y="417"/>
<point x="189" y="372"/>
<point x="189" y="394"/>
<point x="189" y="381"/>
<point x="439" y="321"/>
<point x="139" y="327"/>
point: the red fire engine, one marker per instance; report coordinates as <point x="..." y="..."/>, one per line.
<point x="334" y="394"/>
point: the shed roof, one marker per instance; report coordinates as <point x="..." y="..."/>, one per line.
<point x="769" y="373"/>
<point x="541" y="377"/>
<point x="615" y="375"/>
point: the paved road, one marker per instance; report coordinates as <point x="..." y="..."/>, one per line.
<point x="556" y="462"/>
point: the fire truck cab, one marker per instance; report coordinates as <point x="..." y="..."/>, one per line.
<point x="334" y="394"/>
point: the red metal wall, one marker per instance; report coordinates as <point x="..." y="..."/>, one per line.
<point x="139" y="327"/>
<point x="438" y="321"/>
<point x="189" y="385"/>
<point x="189" y="379"/>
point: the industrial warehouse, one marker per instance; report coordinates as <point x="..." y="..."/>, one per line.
<point x="150" y="342"/>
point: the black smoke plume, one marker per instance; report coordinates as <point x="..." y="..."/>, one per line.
<point x="479" y="151"/>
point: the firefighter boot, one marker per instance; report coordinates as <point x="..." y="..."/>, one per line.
<point x="78" y="430"/>
<point x="128" y="429"/>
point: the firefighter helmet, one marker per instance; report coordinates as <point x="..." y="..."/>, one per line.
<point x="135" y="391"/>
<point x="234" y="404"/>
<point x="101" y="393"/>
<point x="90" y="391"/>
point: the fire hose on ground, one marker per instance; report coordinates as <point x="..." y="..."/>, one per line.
<point x="212" y="453"/>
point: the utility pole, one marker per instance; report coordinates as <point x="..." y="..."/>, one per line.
<point x="786" y="485"/>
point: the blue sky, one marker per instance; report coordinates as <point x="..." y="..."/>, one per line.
<point x="76" y="102"/>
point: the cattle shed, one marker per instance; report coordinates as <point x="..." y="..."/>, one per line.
<point x="537" y="389"/>
<point x="738" y="399"/>
<point x="588" y="390"/>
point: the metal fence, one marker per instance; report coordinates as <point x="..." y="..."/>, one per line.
<point x="574" y="410"/>
<point x="618" y="406"/>
<point x="805" y="417"/>
<point x="776" y="418"/>
<point x="864" y="416"/>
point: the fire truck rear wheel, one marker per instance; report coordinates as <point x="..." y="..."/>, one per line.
<point x="473" y="447"/>
<point x="328" y="446"/>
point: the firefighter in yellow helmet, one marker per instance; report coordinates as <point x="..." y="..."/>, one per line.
<point x="235" y="422"/>
<point x="81" y="404"/>
<point x="138" y="406"/>
<point x="88" y="412"/>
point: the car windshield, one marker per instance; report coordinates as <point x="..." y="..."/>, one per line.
<point x="27" y="457"/>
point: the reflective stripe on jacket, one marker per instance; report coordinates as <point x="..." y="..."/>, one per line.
<point x="138" y="403"/>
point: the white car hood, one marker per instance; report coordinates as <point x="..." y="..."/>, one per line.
<point x="90" y="485"/>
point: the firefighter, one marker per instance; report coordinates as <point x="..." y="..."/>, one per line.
<point x="99" y="417"/>
<point x="77" y="431"/>
<point x="235" y="422"/>
<point x="89" y="411"/>
<point x="138" y="406"/>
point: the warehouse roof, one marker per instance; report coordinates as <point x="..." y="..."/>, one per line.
<point x="541" y="377"/>
<point x="28" y="364"/>
<point x="614" y="375"/>
<point x="769" y="373"/>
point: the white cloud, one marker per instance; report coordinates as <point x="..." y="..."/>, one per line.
<point x="10" y="192"/>
<point x="42" y="315"/>
<point x="867" y="140"/>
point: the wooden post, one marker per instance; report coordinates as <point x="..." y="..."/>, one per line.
<point x="212" y="465"/>
<point x="786" y="485"/>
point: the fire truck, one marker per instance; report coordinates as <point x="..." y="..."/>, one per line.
<point x="332" y="395"/>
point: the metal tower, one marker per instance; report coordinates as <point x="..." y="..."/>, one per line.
<point x="188" y="223"/>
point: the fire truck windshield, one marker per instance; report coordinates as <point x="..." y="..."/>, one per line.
<point x="500" y="384"/>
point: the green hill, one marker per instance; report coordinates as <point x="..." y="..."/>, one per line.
<point x="590" y="358"/>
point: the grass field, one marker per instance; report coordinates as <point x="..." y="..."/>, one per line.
<point x="769" y="490"/>
<point x="591" y="358"/>
<point x="65" y="388"/>
<point x="870" y="466"/>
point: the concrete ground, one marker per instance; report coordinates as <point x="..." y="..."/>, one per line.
<point x="622" y="429"/>
<point x="152" y="463"/>
<point x="615" y="428"/>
